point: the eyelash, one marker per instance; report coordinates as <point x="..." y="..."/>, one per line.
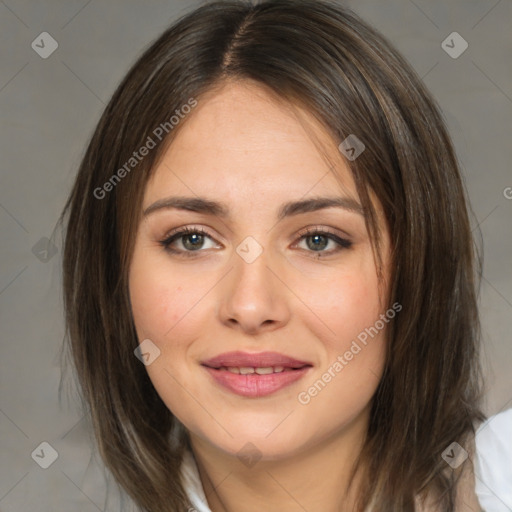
<point x="343" y="243"/>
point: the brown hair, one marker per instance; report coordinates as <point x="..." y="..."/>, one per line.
<point x="321" y="56"/>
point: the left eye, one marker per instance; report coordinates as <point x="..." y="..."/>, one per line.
<point x="192" y="240"/>
<point x="317" y="241"/>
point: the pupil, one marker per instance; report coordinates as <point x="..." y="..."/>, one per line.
<point x="198" y="239"/>
<point x="317" y="238"/>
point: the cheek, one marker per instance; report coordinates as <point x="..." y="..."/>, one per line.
<point x="163" y="311"/>
<point x="345" y="307"/>
<point x="354" y="353"/>
<point x="160" y="299"/>
<point x="347" y="321"/>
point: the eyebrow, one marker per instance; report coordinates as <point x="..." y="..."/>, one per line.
<point x="209" y="207"/>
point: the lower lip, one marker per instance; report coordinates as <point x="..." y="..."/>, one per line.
<point x="255" y="385"/>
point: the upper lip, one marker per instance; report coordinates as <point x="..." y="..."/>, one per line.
<point x="260" y="360"/>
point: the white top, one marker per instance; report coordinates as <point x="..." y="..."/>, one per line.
<point x="493" y="467"/>
<point x="192" y="483"/>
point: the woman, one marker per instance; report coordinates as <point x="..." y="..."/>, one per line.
<point x="269" y="274"/>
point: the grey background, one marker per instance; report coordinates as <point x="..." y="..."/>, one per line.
<point x="49" y="108"/>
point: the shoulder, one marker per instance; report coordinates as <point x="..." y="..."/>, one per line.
<point x="484" y="481"/>
<point x="493" y="463"/>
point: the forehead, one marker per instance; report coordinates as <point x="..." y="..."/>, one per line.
<point x="240" y="140"/>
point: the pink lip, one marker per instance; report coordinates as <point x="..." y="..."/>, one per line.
<point x="260" y="360"/>
<point x="254" y="385"/>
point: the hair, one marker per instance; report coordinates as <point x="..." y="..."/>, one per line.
<point x="323" y="57"/>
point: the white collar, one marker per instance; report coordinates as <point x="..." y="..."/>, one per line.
<point x="192" y="483"/>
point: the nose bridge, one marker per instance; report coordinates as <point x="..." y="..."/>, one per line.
<point x="252" y="277"/>
<point x="253" y="296"/>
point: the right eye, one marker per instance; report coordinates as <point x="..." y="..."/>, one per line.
<point x="190" y="239"/>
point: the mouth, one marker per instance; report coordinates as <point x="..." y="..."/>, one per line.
<point x="255" y="375"/>
<point x="265" y="370"/>
<point x="261" y="360"/>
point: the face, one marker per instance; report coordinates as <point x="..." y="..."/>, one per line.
<point x="254" y="283"/>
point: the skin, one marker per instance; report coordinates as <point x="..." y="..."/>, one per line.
<point x="241" y="147"/>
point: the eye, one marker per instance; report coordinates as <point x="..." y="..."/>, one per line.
<point x="190" y="239"/>
<point x="316" y="240"/>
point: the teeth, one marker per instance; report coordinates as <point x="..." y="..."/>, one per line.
<point x="247" y="370"/>
<point x="264" y="371"/>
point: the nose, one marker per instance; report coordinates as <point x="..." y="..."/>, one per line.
<point x="253" y="298"/>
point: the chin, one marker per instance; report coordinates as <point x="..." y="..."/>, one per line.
<point x="250" y="443"/>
